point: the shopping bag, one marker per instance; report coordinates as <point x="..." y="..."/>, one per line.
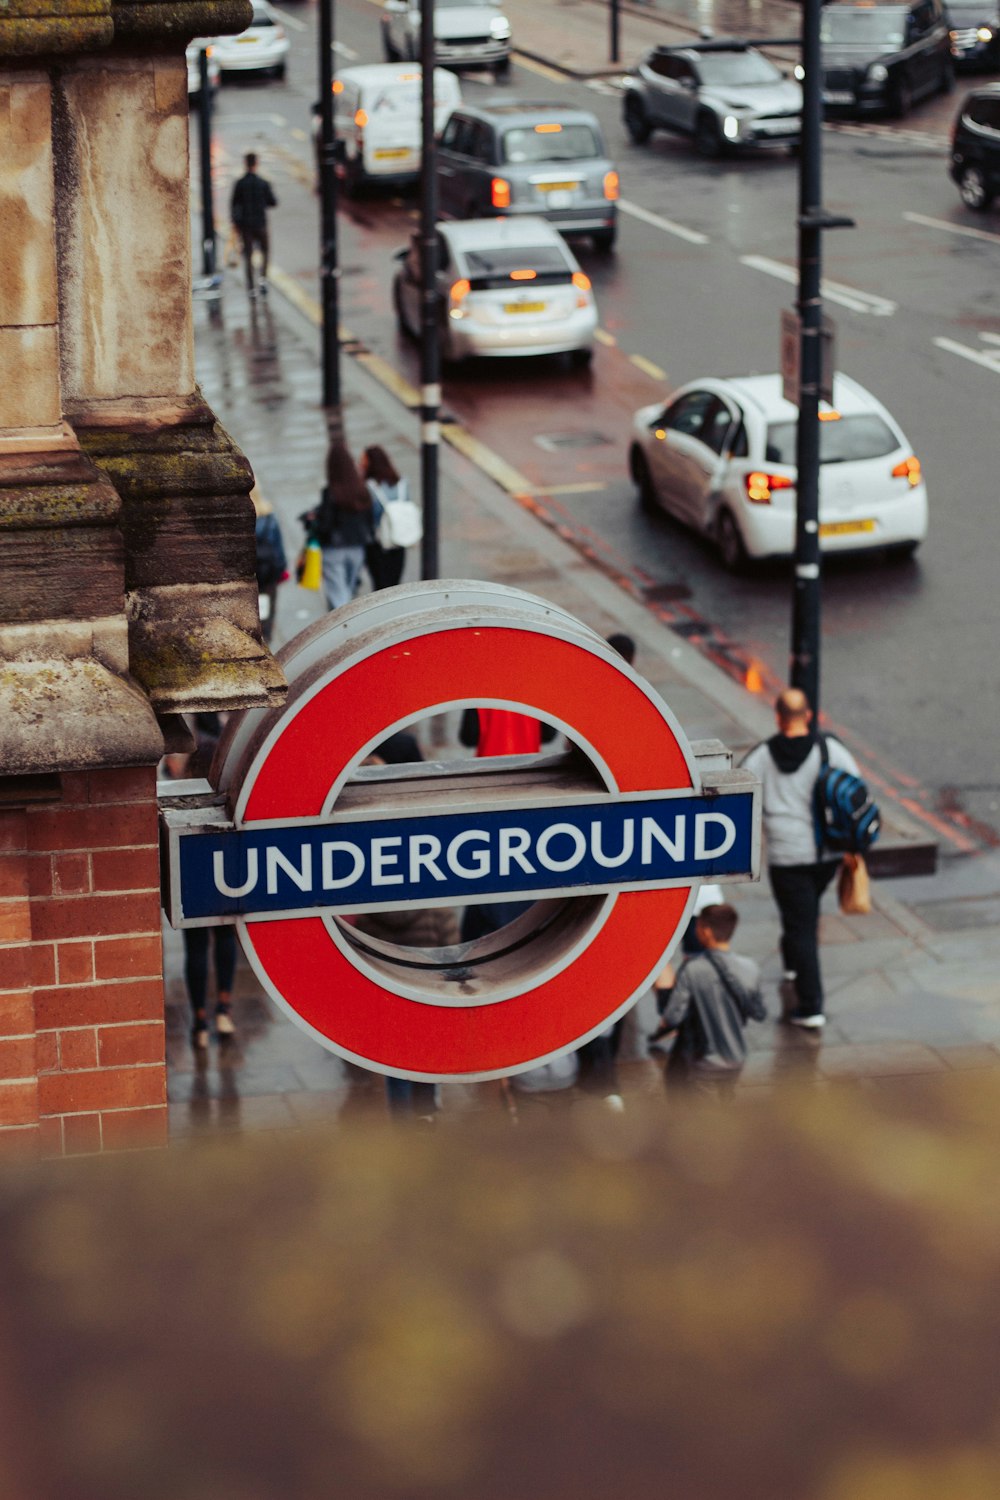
<point x="311" y="575"/>
<point x="853" y="887"/>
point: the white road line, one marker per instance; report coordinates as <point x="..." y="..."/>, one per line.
<point x="977" y="356"/>
<point x="647" y="366"/>
<point x="341" y="48"/>
<point x="658" y="222"/>
<point x="833" y="291"/>
<point x="294" y="22"/>
<point x="963" y="229"/>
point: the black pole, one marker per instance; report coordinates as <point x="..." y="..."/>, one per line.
<point x="615" y="32"/>
<point x="208" y="256"/>
<point x="329" y="270"/>
<point x="430" y="351"/>
<point x="806" y="600"/>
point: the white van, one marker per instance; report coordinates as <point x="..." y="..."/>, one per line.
<point x="377" y="120"/>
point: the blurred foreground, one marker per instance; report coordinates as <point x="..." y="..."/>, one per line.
<point x="795" y="1297"/>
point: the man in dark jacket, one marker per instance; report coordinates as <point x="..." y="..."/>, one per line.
<point x="252" y="197"/>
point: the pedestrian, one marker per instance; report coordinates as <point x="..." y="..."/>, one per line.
<point x="385" y="563"/>
<point x="272" y="564"/>
<point x="503" y="731"/>
<point x="343" y="526"/>
<point x="716" y="993"/>
<point x="252" y="197"/>
<point x="799" y="867"/>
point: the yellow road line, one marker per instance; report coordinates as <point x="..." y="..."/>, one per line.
<point x="300" y="298"/>
<point x="585" y="487"/>
<point x="604" y="337"/>
<point x="298" y="134"/>
<point x="484" y="458"/>
<point x="539" y="68"/>
<point x="390" y="378"/>
<point x="647" y="366"/>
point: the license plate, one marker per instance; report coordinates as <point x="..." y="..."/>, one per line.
<point x="845" y="528"/>
<point x="524" y="307"/>
<point x="248" y="39"/>
<point x="394" y="155"/>
<point x="557" y="187"/>
<point x="838" y="96"/>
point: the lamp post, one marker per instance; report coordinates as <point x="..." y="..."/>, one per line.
<point x="430" y="350"/>
<point x="614" y="49"/>
<point x="329" y="270"/>
<point x="208" y="242"/>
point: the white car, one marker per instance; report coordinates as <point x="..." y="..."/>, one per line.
<point x="720" y="456"/>
<point x="505" y="287"/>
<point x="192" y="56"/>
<point x="263" y="47"/>
<point x="377" y="120"/>
<point x="467" y="33"/>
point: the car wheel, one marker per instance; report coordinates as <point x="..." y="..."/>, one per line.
<point x="903" y="550"/>
<point x="636" y="123"/>
<point x="642" y="479"/>
<point x="581" y="357"/>
<point x="604" y="240"/>
<point x="730" y="543"/>
<point x="972" y="187"/>
<point x="397" y="301"/>
<point x="279" y="71"/>
<point x="391" y="52"/>
<point x="501" y="69"/>
<point x="902" y="98"/>
<point x="707" y="140"/>
<point x="353" y="178"/>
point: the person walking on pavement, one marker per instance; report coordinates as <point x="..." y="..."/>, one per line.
<point x="384" y="564"/>
<point x="788" y="765"/>
<point x="343" y="525"/>
<point x="251" y="199"/>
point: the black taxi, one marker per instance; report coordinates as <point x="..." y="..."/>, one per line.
<point x="884" y="57"/>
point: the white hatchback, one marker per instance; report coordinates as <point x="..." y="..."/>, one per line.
<point x="505" y="287"/>
<point x="263" y="47"/>
<point x="720" y="456"/>
<point x="378" y="121"/>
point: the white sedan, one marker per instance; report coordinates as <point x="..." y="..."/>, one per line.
<point x="263" y="47"/>
<point x="720" y="456"/>
<point x="505" y="287"/>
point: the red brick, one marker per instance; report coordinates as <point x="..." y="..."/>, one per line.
<point x="123" y="1045"/>
<point x="39" y="868"/>
<point x="17" y="1057"/>
<point x="15" y="921"/>
<point x="103" y="1088"/>
<point x="132" y="784"/>
<point x="99" y="1004"/>
<point x="20" y="1141"/>
<point x="47" y="1052"/>
<point x="17" y="1014"/>
<point x="50" y="1136"/>
<point x="13" y="830"/>
<point x="127" y="870"/>
<point x="19" y="1103"/>
<point x="81" y="1134"/>
<point x="78" y="1049"/>
<point x="14" y="872"/>
<point x="76" y="962"/>
<point x="125" y="958"/>
<point x="75" y="787"/>
<point x="51" y="829"/>
<point x="71" y="875"/>
<point x="96" y="916"/>
<point x="26" y="965"/>
<point x="134" y="1129"/>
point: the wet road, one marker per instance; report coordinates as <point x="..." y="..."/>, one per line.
<point x="697" y="287"/>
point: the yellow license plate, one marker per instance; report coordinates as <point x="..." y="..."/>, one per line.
<point x="845" y="528"/>
<point x="250" y="39"/>
<point x="557" y="187"/>
<point x="519" y="307"/>
<point x="394" y="154"/>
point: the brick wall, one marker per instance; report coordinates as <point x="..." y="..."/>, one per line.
<point x="82" y="1063"/>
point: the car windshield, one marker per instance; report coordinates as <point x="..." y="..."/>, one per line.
<point x="403" y="98"/>
<point x="498" y="261"/>
<point x="549" y="142"/>
<point x="972" y="15"/>
<point x="739" y="68"/>
<point x="863" y="28"/>
<point x="848" y="440"/>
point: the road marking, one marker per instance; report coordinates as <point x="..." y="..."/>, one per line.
<point x="585" y="487"/>
<point x="972" y="234"/>
<point x="603" y="337"/>
<point x="647" y="366"/>
<point x="300" y="299"/>
<point x="534" y="66"/>
<point x="833" y="291"/>
<point x="342" y="50"/>
<point x="294" y="22"/>
<point x="297" y="134"/>
<point x="977" y="356"/>
<point x="658" y="222"/>
<point x="507" y="477"/>
<point x="278" y="120"/>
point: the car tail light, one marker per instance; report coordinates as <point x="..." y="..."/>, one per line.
<point x="582" y="284"/>
<point x="338" y="85"/>
<point x="611" y="186"/>
<point x="523" y="275"/>
<point x="457" y="294"/>
<point x="500" y="192"/>
<point x="908" y="469"/>
<point x="761" y="486"/>
<point x="360" y="119"/>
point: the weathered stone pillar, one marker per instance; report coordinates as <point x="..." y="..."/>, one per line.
<point x="126" y="550"/>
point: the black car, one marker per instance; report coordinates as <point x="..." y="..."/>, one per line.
<point x="884" y="57"/>
<point x="975" y="34"/>
<point x="975" y="148"/>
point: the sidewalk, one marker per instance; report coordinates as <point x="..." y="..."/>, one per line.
<point x="914" y="988"/>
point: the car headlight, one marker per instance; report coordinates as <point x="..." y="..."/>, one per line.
<point x="984" y="34"/>
<point x="499" y="28"/>
<point x="798" y="72"/>
<point x="730" y="127"/>
<point x="877" y="73"/>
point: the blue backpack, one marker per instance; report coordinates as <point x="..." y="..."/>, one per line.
<point x="847" y="820"/>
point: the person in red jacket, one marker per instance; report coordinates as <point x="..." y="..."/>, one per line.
<point x="503" y="731"/>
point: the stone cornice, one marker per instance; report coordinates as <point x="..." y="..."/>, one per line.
<point x="41" y="28"/>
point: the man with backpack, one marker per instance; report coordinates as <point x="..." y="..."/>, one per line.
<point x="805" y="840"/>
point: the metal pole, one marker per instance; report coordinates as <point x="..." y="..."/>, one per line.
<point x="430" y="351"/>
<point x="615" y="29"/>
<point x="208" y="247"/>
<point x="808" y="584"/>
<point x="329" y="270"/>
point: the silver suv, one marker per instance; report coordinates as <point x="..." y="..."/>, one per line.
<point x="724" y="93"/>
<point x="467" y="33"/>
<point x="527" y="158"/>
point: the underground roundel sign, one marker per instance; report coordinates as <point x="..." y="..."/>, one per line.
<point x="600" y="846"/>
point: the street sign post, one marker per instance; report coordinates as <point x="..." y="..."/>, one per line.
<point x="791" y="349"/>
<point x="609" y="841"/>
